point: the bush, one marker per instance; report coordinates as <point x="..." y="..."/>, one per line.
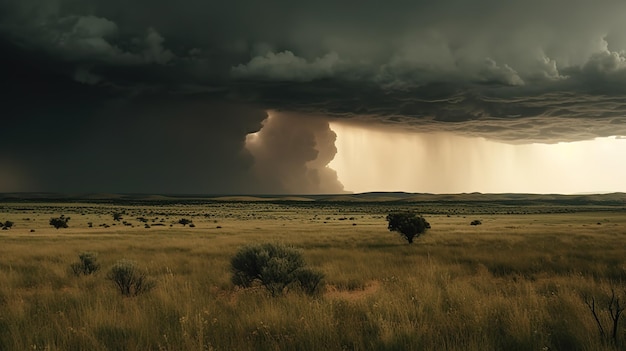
<point x="130" y="280"/>
<point x="184" y="221"/>
<point x="8" y="224"/>
<point x="310" y="281"/>
<point x="275" y="267"/>
<point x="408" y="224"/>
<point x="59" y="222"/>
<point x="476" y="222"/>
<point x="88" y="264"/>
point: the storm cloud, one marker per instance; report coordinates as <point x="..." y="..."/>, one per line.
<point x="515" y="71"/>
<point x="291" y="154"/>
<point x="544" y="71"/>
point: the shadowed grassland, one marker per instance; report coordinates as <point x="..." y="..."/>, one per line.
<point x="516" y="282"/>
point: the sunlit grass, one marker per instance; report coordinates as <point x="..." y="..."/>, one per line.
<point x="514" y="283"/>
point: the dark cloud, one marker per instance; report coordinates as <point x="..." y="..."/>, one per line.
<point x="517" y="71"/>
<point x="135" y="145"/>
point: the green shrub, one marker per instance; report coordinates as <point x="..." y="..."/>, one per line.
<point x="88" y="264"/>
<point x="129" y="279"/>
<point x="275" y="267"/>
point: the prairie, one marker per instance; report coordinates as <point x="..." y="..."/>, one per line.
<point x="520" y="281"/>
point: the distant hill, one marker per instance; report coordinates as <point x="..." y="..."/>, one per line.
<point x="373" y="197"/>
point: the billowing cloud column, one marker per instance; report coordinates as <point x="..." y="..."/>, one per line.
<point x="291" y="154"/>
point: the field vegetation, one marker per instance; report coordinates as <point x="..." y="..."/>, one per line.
<point x="525" y="279"/>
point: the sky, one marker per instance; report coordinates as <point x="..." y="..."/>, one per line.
<point x="283" y="97"/>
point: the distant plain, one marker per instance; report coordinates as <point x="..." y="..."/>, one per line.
<point x="518" y="281"/>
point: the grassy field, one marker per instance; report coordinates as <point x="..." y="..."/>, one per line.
<point x="516" y="282"/>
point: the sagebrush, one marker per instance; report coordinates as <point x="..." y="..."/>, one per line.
<point x="88" y="264"/>
<point x="129" y="278"/>
<point x="275" y="267"/>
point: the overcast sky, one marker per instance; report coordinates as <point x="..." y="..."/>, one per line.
<point x="160" y="96"/>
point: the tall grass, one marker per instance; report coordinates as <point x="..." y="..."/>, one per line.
<point x="513" y="283"/>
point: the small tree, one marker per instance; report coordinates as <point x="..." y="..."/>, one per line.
<point x="8" y="224"/>
<point x="408" y="224"/>
<point x="117" y="216"/>
<point x="59" y="222"/>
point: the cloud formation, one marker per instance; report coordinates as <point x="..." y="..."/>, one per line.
<point x="514" y="71"/>
<point x="419" y="62"/>
<point x="291" y="154"/>
<point x="285" y="66"/>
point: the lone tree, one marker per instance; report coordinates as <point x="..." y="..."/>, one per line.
<point x="408" y="224"/>
<point x="59" y="222"/>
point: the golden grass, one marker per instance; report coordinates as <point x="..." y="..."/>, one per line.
<point x="514" y="283"/>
